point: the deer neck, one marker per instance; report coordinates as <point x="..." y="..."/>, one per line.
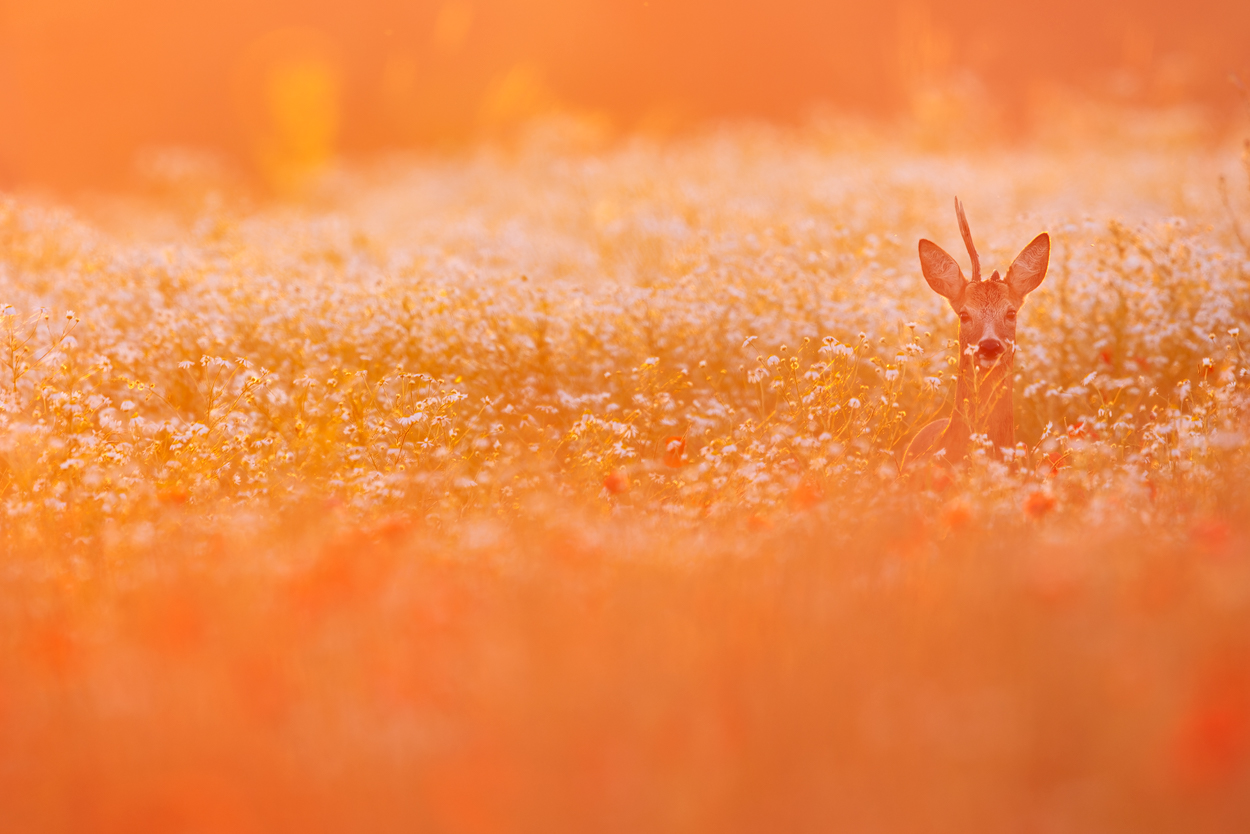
<point x="983" y="405"/>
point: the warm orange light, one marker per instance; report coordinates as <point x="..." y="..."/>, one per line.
<point x="84" y="87"/>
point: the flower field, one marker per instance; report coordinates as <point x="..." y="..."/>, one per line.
<point x="556" y="487"/>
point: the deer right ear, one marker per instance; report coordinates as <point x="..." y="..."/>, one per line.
<point x="941" y="270"/>
<point x="1029" y="268"/>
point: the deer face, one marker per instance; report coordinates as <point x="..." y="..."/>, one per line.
<point x="987" y="309"/>
<point x="987" y="319"/>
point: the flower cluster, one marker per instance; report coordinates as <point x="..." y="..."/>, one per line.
<point x="700" y="330"/>
<point x="561" y="491"/>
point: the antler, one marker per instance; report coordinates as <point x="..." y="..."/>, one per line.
<point x="967" y="233"/>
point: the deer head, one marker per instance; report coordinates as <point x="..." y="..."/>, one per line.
<point x="987" y="309"/>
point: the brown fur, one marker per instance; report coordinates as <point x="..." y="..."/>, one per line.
<point x="987" y="312"/>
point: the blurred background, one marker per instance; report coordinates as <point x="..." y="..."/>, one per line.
<point x="275" y="88"/>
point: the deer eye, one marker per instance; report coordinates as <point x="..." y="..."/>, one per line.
<point x="964" y="318"/>
<point x="1011" y="315"/>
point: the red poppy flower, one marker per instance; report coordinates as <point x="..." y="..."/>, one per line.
<point x="674" y="451"/>
<point x="616" y="483"/>
<point x="1038" y="504"/>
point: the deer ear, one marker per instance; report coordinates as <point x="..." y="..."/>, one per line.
<point x="941" y="270"/>
<point x="1029" y="267"/>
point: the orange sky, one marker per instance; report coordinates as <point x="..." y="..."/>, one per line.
<point x="277" y="84"/>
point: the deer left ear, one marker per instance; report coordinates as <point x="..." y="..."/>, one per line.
<point x="941" y="271"/>
<point x="1029" y="267"/>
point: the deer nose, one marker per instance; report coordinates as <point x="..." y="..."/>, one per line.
<point x="989" y="348"/>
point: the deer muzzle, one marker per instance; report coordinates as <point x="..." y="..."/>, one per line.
<point x="990" y="348"/>
<point x="989" y="351"/>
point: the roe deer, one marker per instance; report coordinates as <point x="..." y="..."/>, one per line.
<point x="987" y="343"/>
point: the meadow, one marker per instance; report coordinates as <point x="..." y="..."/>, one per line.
<point x="554" y="486"/>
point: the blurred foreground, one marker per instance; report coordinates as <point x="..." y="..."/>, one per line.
<point x="908" y="674"/>
<point x="554" y="488"/>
